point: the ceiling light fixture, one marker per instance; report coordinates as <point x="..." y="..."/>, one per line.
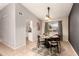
<point x="48" y="15"/>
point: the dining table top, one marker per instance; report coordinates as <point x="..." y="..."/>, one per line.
<point x="54" y="36"/>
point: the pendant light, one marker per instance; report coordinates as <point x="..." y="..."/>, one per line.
<point x="48" y="15"/>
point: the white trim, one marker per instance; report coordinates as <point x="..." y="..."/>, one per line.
<point x="11" y="46"/>
<point x="20" y="45"/>
<point x="73" y="48"/>
<point x="7" y="44"/>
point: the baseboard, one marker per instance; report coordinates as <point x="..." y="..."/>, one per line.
<point x="20" y="45"/>
<point x="73" y="49"/>
<point x="11" y="46"/>
<point x="7" y="44"/>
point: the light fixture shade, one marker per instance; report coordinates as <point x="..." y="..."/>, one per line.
<point x="48" y="17"/>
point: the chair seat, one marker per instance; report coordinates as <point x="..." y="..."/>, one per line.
<point x="53" y="43"/>
<point x="42" y="42"/>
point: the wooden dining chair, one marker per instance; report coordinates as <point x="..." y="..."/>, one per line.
<point x="40" y="41"/>
<point x="54" y="43"/>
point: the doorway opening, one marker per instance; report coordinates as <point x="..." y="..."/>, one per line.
<point x="54" y="27"/>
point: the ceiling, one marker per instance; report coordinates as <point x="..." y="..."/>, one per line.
<point x="57" y="10"/>
<point x="2" y="5"/>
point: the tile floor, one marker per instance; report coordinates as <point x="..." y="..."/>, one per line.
<point x="27" y="50"/>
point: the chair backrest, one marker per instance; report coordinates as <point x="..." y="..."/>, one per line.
<point x="59" y="36"/>
<point x="54" y="39"/>
<point x="38" y="38"/>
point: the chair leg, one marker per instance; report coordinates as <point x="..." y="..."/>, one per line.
<point x="59" y="47"/>
<point x="50" y="50"/>
<point x="38" y="44"/>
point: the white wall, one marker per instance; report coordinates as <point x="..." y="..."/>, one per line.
<point x="22" y="24"/>
<point x="65" y="28"/>
<point x="43" y="26"/>
<point x="7" y="25"/>
<point x="13" y="26"/>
